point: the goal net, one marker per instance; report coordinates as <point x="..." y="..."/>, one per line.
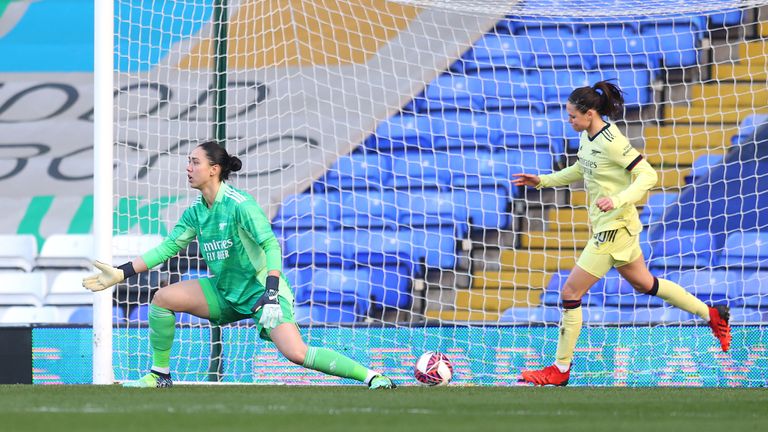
<point x="381" y="136"/>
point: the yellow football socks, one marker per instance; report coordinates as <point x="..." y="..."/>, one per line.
<point x="570" y="328"/>
<point x="678" y="297"/>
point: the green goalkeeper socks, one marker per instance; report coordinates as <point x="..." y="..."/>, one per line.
<point x="333" y="363"/>
<point x="162" y="326"/>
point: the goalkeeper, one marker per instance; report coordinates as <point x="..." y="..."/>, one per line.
<point x="616" y="177"/>
<point x="244" y="257"/>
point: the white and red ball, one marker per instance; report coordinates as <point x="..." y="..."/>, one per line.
<point x="433" y="369"/>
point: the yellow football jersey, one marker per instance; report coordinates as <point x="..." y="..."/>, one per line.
<point x="612" y="168"/>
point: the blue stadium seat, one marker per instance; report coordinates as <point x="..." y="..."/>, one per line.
<point x="551" y="294"/>
<point x="622" y="48"/>
<point x="335" y="286"/>
<point x="190" y="320"/>
<point x="563" y="52"/>
<point x="301" y="282"/>
<point x="448" y="91"/>
<point x="472" y="167"/>
<point x="419" y="169"/>
<point x="667" y="314"/>
<point x="494" y="51"/>
<point x="678" y="39"/>
<point x="474" y="174"/>
<point x="488" y="206"/>
<point x="512" y="161"/>
<point x="747" y="315"/>
<point x="701" y="167"/>
<point x="435" y="247"/>
<point x="308" y="211"/>
<point x="558" y="84"/>
<point x="358" y="171"/>
<point x="684" y="249"/>
<point x="747" y="250"/>
<point x="606" y="25"/>
<point x="326" y="313"/>
<point x="418" y="100"/>
<point x="635" y="83"/>
<point x="747" y="128"/>
<point x="726" y="19"/>
<point x="404" y="130"/>
<point x="377" y="248"/>
<point x="750" y="289"/>
<point x="710" y="286"/>
<point x="538" y="27"/>
<point x="629" y="299"/>
<point x="602" y="315"/>
<point x="321" y="248"/>
<point x="465" y="129"/>
<point x="369" y="209"/>
<point x="302" y="313"/>
<point x="507" y="89"/>
<point x="569" y="137"/>
<point x="529" y="129"/>
<point x="390" y="287"/>
<point x="619" y="292"/>
<point x="522" y="315"/>
<point x="431" y="208"/>
<point x="139" y="314"/>
<point x="646" y="245"/>
<point x="653" y="211"/>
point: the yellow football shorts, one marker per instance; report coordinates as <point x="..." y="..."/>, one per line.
<point x="608" y="249"/>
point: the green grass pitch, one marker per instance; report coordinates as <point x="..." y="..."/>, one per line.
<point x="314" y="409"/>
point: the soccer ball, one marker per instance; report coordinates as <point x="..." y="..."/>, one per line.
<point x="433" y="369"/>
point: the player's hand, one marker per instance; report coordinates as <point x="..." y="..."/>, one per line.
<point x="531" y="180"/>
<point x="107" y="277"/>
<point x="269" y="304"/>
<point x="604" y="204"/>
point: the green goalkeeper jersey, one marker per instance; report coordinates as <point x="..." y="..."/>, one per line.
<point x="611" y="168"/>
<point x="236" y="241"/>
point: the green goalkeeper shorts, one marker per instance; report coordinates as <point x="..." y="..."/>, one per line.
<point x="222" y="312"/>
<point x="607" y="249"/>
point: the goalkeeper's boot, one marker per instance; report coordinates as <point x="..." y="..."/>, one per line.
<point x="718" y="322"/>
<point x="381" y="382"/>
<point x="151" y="380"/>
<point x="550" y="375"/>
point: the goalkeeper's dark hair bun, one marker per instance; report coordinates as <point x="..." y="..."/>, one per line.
<point x="217" y="155"/>
<point x="235" y="163"/>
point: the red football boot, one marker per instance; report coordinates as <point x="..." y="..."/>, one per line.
<point x="718" y="322"/>
<point x="550" y="375"/>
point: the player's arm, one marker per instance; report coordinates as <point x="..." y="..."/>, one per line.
<point x="644" y="177"/>
<point x="109" y="275"/>
<point x="253" y="220"/>
<point x="560" y="178"/>
<point x="183" y="233"/>
<point x="563" y="177"/>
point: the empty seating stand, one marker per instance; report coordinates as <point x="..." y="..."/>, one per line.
<point x="66" y="251"/>
<point x="18" y="252"/>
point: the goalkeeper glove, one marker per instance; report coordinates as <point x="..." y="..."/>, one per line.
<point x="108" y="276"/>
<point x="272" y="314"/>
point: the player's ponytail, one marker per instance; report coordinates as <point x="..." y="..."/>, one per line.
<point x="217" y="155"/>
<point x="604" y="97"/>
<point x="611" y="99"/>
